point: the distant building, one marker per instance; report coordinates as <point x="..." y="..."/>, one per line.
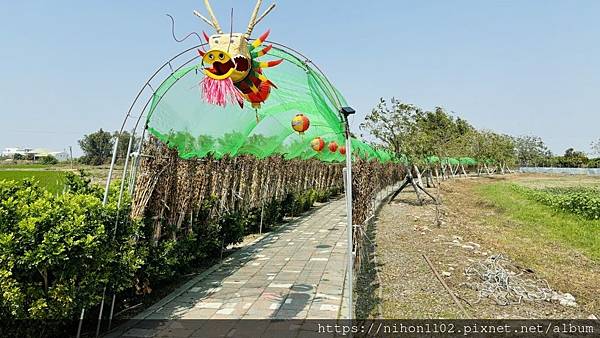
<point x="11" y="152"/>
<point x="36" y="153"/>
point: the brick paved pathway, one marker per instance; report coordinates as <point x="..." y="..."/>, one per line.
<point x="296" y="272"/>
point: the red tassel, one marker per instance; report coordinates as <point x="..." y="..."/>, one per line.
<point x="219" y="92"/>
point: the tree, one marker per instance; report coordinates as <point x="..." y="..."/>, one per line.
<point x="393" y="125"/>
<point x="531" y="150"/>
<point x="573" y="159"/>
<point x="124" y="143"/>
<point x="504" y="151"/>
<point x="596" y="147"/>
<point x="420" y="136"/>
<point x="97" y="147"/>
<point x="49" y="160"/>
<point x="445" y="135"/>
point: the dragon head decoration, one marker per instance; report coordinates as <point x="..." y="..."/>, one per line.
<point x="231" y="66"/>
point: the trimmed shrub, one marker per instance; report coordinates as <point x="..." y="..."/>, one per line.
<point x="57" y="251"/>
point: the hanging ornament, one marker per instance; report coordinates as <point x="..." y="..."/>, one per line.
<point x="317" y="144"/>
<point x="333" y="146"/>
<point x="343" y="150"/>
<point x="300" y="123"/>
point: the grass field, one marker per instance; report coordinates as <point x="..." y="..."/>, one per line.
<point x="23" y="166"/>
<point x="537" y="220"/>
<point x="51" y="180"/>
<point x="45" y="173"/>
<point x="491" y="217"/>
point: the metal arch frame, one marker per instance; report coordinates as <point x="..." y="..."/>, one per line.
<point x="136" y="162"/>
<point x="134" y="169"/>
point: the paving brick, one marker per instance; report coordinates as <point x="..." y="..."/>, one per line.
<point x="295" y="272"/>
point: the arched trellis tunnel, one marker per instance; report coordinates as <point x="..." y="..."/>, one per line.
<point x="169" y="108"/>
<point x="305" y="88"/>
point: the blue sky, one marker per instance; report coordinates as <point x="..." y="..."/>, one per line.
<point x="517" y="67"/>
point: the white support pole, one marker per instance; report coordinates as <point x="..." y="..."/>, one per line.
<point x="104" y="201"/>
<point x="112" y="306"/>
<point x="122" y="188"/>
<point x="262" y="212"/>
<point x="80" y="322"/>
<point x="349" y="227"/>
<point x="136" y="163"/>
<point x="110" y="171"/>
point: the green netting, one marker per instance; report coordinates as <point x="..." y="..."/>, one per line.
<point x="179" y="117"/>
<point x="467" y="161"/>
<point x="432" y="159"/>
<point x="450" y="160"/>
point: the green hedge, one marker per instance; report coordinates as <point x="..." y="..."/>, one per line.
<point x="57" y="252"/>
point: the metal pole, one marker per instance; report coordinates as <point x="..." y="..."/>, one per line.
<point x="112" y="310"/>
<point x="101" y="310"/>
<point x="349" y="227"/>
<point x="104" y="201"/>
<point x="110" y="171"/>
<point x="112" y="306"/>
<point x="136" y="163"/>
<point x="262" y="210"/>
<point x="80" y="322"/>
<point x="122" y="185"/>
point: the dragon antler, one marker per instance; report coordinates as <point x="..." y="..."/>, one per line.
<point x="253" y="20"/>
<point x="213" y="22"/>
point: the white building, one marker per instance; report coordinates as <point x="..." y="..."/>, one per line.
<point x="37" y="153"/>
<point x="10" y="152"/>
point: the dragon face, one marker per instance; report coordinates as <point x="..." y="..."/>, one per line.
<point x="228" y="57"/>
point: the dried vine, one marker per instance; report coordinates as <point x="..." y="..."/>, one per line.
<point x="170" y="191"/>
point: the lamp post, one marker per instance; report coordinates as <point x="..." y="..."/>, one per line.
<point x="347" y="111"/>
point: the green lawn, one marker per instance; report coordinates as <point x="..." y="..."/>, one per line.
<point x="51" y="180"/>
<point x="535" y="220"/>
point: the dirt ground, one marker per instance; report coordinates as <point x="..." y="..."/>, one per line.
<point x="465" y="235"/>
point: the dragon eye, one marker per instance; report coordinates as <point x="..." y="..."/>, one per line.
<point x="221" y="56"/>
<point x="210" y="56"/>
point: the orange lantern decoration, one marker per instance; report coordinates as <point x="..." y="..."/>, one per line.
<point x="343" y="150"/>
<point x="317" y="144"/>
<point x="300" y="123"/>
<point x="333" y="146"/>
